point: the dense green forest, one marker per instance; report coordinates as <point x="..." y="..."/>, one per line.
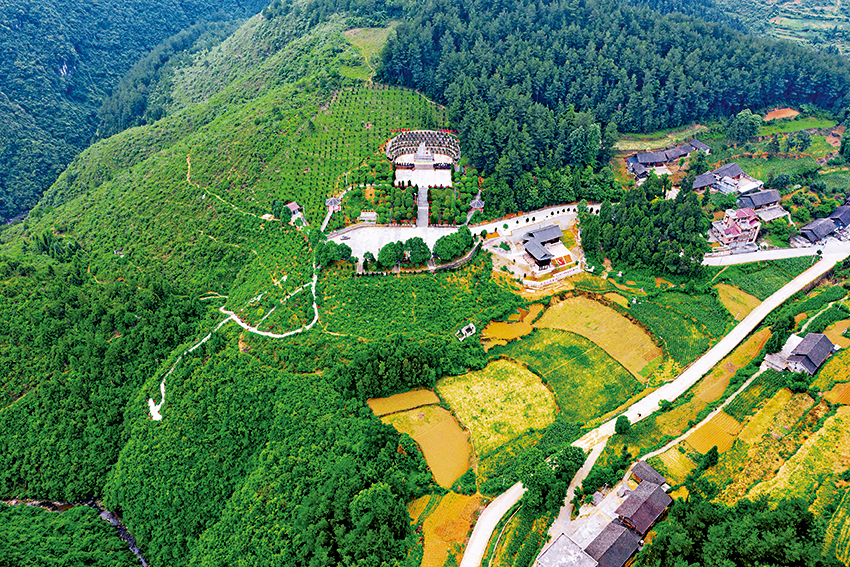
<point x="59" y="59"/>
<point x="35" y="537"/>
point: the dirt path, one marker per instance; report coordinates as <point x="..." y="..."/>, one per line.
<point x="156" y="408"/>
<point x="595" y="440"/>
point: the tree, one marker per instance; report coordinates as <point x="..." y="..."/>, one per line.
<point x="391" y="254"/>
<point x="744" y="126"/>
<point x="622" y="425"/>
<point x="417" y="251"/>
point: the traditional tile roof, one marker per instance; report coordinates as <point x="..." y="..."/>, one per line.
<point x="537" y="251"/>
<point x="645" y="472"/>
<point x="697" y="145"/>
<point x="704" y="180"/>
<point x="679" y="151"/>
<point x="564" y="552"/>
<point x="760" y="199"/>
<point x="817" y="229"/>
<point x="652" y="157"/>
<point x="333" y="202"/>
<point x="614" y="546"/>
<point x="546" y="234"/>
<point x="639" y="170"/>
<point x="841" y="216"/>
<point x="812" y="351"/>
<point x="732" y="170"/>
<point x="476" y="204"/>
<point x="644" y="506"/>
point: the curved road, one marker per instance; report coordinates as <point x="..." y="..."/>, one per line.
<point x="595" y="439"/>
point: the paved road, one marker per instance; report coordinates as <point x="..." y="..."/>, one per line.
<point x="595" y="440"/>
<point x="832" y="246"/>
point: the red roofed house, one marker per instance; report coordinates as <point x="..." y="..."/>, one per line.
<point x="739" y="226"/>
<point x="293" y="206"/>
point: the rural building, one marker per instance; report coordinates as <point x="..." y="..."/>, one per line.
<point x="759" y="200"/>
<point x="293" y="206"/>
<point x="643" y="507"/>
<point x="727" y="179"/>
<point x="818" y="229"/>
<point x="644" y="472"/>
<point x="810" y="354"/>
<point x="466" y="332"/>
<point x="334" y="204"/>
<point x="640" y="164"/>
<point x="615" y="546"/>
<point x="841" y="217"/>
<point x="564" y="552"/>
<point x="368" y="216"/>
<point x="738" y="227"/>
<point x="535" y="244"/>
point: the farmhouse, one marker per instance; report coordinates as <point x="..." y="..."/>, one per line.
<point x="818" y="229"/>
<point x="564" y="552"/>
<point x="810" y="354"/>
<point x="644" y="507"/>
<point x="738" y="227"/>
<point x="644" y="472"/>
<point x="759" y="200"/>
<point x="641" y="164"/>
<point x="535" y="244"/>
<point x="727" y="179"/>
<point x="615" y="546"/>
<point x="841" y="217"/>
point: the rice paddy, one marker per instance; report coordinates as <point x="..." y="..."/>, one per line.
<point x="401" y="402"/>
<point x="760" y="423"/>
<point x="712" y="386"/>
<point x="838" y="531"/>
<point x="836" y="369"/>
<point x="445" y="525"/>
<point x="835" y="333"/>
<point x="840" y="394"/>
<point x="587" y="382"/>
<point x="625" y="341"/>
<point x="720" y="431"/>
<point x="736" y="301"/>
<point x="675" y="464"/>
<point x="444" y="444"/>
<point x="498" y="403"/>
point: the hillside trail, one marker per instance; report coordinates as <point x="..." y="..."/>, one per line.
<point x="594" y="441"/>
<point x="156" y="408"/>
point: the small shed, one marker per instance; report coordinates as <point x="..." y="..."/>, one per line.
<point x="293" y="206"/>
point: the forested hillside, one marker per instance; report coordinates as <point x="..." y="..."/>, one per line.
<point x="59" y="59"/>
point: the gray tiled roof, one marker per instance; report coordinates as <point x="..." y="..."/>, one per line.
<point x="729" y="170"/>
<point x="679" y="151"/>
<point x="818" y="229"/>
<point x="639" y="169"/>
<point x="644" y="506"/>
<point x="704" y="180"/>
<point x="551" y="232"/>
<point x="537" y="251"/>
<point x="333" y="202"/>
<point x="841" y="215"/>
<point x="646" y="473"/>
<point x="652" y="157"/>
<point x="759" y="199"/>
<point x="816" y="347"/>
<point x="697" y="145"/>
<point x="614" y="546"/>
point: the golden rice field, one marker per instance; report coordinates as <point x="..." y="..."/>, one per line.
<point x="738" y="302"/>
<point x="720" y="430"/>
<point x="676" y="465"/>
<point x="840" y="394"/>
<point x="443" y="525"/>
<point x="834" y="370"/>
<point x="835" y="333"/>
<point x="838" y="531"/>
<point x="617" y="298"/>
<point x="823" y="453"/>
<point x="402" y="402"/>
<point x="498" y="403"/>
<point x="712" y="386"/>
<point x="625" y="341"/>
<point x="444" y="444"/>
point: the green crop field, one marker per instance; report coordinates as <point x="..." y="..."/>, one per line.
<point x="781" y="127"/>
<point x="761" y="389"/>
<point x="587" y="382"/>
<point x="762" y="279"/>
<point x="684" y="338"/>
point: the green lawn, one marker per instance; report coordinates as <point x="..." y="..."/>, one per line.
<point x="587" y="382"/>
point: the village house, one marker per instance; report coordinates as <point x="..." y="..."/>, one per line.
<point x="535" y="244"/>
<point x="564" y="552"/>
<point x="615" y="546"/>
<point x="727" y="179"/>
<point x="644" y="506"/>
<point x="759" y="200"/>
<point x="818" y="229"/>
<point x="738" y="227"/>
<point x="810" y="354"/>
<point x="641" y="164"/>
<point x="841" y="217"/>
